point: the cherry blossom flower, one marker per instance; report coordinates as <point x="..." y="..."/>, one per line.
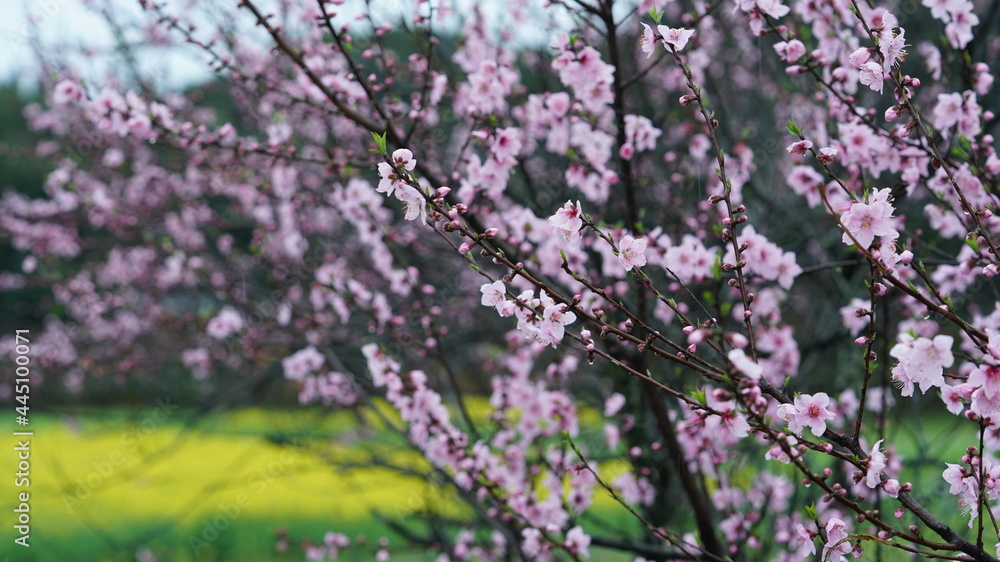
<point x="67" y="91"/>
<point x="493" y="293"/>
<point x="836" y="538"/>
<point x="227" y="322"/>
<point x="987" y="378"/>
<point x="954" y="397"/>
<point x="865" y="221"/>
<point x="876" y="464"/>
<point x="959" y="29"/>
<point x="631" y="252"/>
<point x="855" y="315"/>
<point x="807" y="411"/>
<point x="872" y="75"/>
<point x="799" y="147"/>
<point x="568" y="221"/>
<point x="773" y="8"/>
<point x="921" y="361"/>
<point x="892" y="48"/>
<point x="302" y="363"/>
<point x="389" y="180"/>
<point x="790" y="51"/>
<point x="414" y="204"/>
<point x="804" y="537"/>
<point x="676" y="38"/>
<point x="948" y="111"/>
<point x="555" y="318"/>
<point x="730" y="418"/>
<point x="614" y="404"/>
<point x="745" y="364"/>
<point x="648" y="40"/>
<point x="577" y="542"/>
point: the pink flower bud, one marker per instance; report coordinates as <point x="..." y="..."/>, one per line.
<point x="859" y="57"/>
<point x="626" y="151"/>
<point x="686" y="99"/>
<point x="891" y="487"/>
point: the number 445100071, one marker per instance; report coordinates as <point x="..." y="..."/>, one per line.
<point x="22" y="371"/>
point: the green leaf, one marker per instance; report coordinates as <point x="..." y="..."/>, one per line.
<point x="656" y="15"/>
<point x="793" y="128"/>
<point x="973" y="243"/>
<point x="380" y="143"/>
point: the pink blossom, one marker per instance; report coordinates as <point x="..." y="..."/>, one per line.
<point x="675" y="38"/>
<point x="568" y="221"/>
<point x="790" y="51"/>
<point x="892" y="487"/>
<point x="302" y="363"/>
<point x="807" y="411"/>
<point x="959" y="29"/>
<point x="555" y="318"/>
<point x="198" y="360"/>
<point x="773" y="8"/>
<point x="227" y="322"/>
<point x="388" y="179"/>
<point x="744" y="364"/>
<point x="948" y="110"/>
<point x="799" y="147"/>
<point x="836" y="538"/>
<point x="631" y="252"/>
<point x="921" y="361"/>
<point x="648" y="40"/>
<point x="892" y="48"/>
<point x="855" y="315"/>
<point x="941" y="9"/>
<point x="987" y="378"/>
<point x="876" y="464"/>
<point x="805" y="181"/>
<point x="807" y="547"/>
<point x="872" y="75"/>
<point x="532" y="544"/>
<point x="859" y="57"/>
<point x="953" y="398"/>
<point x="577" y="542"/>
<point x="614" y="404"/>
<point x="493" y="293"/>
<point x="865" y="221"/>
<point x="67" y="91"/>
<point x="414" y="203"/>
